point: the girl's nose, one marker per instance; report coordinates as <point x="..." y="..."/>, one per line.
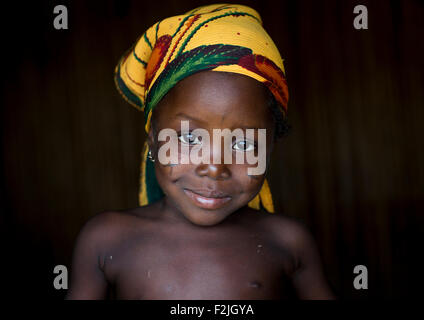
<point x="213" y="171"/>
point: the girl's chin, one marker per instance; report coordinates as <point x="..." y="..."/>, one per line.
<point x="205" y="221"/>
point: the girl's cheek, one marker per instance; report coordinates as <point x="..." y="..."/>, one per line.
<point x="174" y="171"/>
<point x="249" y="183"/>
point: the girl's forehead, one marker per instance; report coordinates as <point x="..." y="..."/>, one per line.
<point x="220" y="82"/>
<point x="211" y="92"/>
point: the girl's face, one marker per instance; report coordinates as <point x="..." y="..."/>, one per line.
<point x="208" y="193"/>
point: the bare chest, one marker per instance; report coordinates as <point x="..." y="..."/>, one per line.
<point x="205" y="268"/>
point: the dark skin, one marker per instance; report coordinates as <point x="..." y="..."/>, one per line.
<point x="176" y="249"/>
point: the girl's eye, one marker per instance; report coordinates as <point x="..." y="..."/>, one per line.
<point x="189" y="138"/>
<point x="244" y="145"/>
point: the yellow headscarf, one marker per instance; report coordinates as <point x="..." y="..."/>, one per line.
<point x="219" y="37"/>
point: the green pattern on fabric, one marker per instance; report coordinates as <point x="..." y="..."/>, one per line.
<point x="147" y="41"/>
<point x="181" y="24"/>
<point x="144" y="63"/>
<point x="207" y="21"/>
<point x="201" y="58"/>
<point x="125" y="91"/>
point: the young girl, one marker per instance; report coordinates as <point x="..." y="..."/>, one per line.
<point x="204" y="229"/>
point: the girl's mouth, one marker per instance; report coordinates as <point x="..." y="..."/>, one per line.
<point x="207" y="199"/>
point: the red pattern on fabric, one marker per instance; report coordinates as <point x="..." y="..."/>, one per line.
<point x="264" y="67"/>
<point x="190" y="23"/>
<point x="156" y="58"/>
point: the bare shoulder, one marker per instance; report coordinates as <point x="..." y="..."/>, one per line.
<point x="308" y="277"/>
<point x="100" y="228"/>
<point x="105" y="219"/>
<point x="105" y="228"/>
<point x="288" y="231"/>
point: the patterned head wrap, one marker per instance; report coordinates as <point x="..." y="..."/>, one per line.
<point x="219" y="37"/>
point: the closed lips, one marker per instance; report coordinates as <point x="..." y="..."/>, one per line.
<point x="207" y="199"/>
<point x="209" y="193"/>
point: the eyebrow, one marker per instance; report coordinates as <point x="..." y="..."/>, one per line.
<point x="186" y="116"/>
<point x="183" y="115"/>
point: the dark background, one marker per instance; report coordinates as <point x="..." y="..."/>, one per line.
<point x="351" y="169"/>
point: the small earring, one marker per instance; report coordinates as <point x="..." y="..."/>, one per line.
<point x="149" y="156"/>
